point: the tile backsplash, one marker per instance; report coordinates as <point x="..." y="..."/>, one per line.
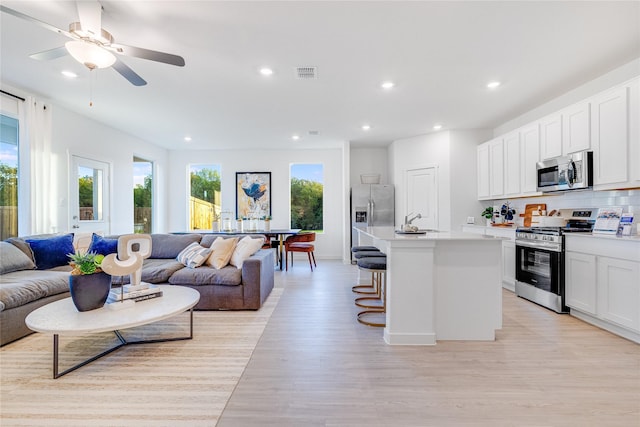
<point x="629" y="200"/>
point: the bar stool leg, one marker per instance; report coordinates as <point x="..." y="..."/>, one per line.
<point x="378" y="311"/>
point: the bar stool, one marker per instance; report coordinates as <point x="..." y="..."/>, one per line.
<point x="378" y="268"/>
<point x="368" y="288"/>
<point x="356" y="249"/>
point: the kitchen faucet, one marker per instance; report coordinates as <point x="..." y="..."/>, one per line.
<point x="408" y="221"/>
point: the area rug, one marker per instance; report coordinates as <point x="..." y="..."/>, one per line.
<point x="164" y="384"/>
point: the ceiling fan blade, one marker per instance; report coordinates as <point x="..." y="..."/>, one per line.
<point x="152" y="55"/>
<point x="90" y="14"/>
<point x="50" y="54"/>
<point x="34" y="20"/>
<point x="128" y="73"/>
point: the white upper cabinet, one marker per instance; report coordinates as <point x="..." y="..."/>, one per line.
<point x="551" y="136"/>
<point x="576" y="130"/>
<point x="530" y="147"/>
<point x="607" y="123"/>
<point x="512" y="162"/>
<point x="483" y="171"/>
<point x="496" y="168"/>
<point x="611" y="138"/>
<point x="634" y="132"/>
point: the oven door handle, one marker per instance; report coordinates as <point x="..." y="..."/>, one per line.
<point x="554" y="247"/>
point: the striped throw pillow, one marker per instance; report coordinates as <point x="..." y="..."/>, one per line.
<point x="193" y="256"/>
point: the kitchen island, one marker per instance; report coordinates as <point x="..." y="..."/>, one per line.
<point x="440" y="285"/>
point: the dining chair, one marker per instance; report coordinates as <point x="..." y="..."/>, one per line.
<point x="300" y="243"/>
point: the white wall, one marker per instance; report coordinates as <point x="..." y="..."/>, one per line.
<point x="369" y="160"/>
<point x="329" y="244"/>
<point x="604" y="82"/>
<point x="79" y="135"/>
<point x="464" y="187"/>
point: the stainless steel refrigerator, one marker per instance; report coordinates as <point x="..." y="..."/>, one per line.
<point x="371" y="205"/>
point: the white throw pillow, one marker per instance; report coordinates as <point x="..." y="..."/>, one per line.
<point x="221" y="251"/>
<point x="244" y="249"/>
<point x="194" y="255"/>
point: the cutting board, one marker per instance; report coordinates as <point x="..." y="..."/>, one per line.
<point x="528" y="212"/>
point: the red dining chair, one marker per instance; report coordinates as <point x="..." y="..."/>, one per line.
<point x="300" y="243"/>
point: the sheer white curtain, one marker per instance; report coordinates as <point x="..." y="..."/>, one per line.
<point x="43" y="212"/>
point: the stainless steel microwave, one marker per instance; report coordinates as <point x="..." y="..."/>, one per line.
<point x="571" y="172"/>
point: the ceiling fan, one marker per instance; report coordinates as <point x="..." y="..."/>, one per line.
<point x="93" y="46"/>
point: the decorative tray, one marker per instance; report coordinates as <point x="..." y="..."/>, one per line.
<point x="410" y="232"/>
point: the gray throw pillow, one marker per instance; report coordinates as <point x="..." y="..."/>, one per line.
<point x="170" y="245"/>
<point x="13" y="259"/>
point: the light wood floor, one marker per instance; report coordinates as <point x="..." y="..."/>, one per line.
<point x="316" y="366"/>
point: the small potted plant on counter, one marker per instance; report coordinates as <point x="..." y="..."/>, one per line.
<point x="488" y="214"/>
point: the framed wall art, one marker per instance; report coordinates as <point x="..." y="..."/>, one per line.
<point x="253" y="194"/>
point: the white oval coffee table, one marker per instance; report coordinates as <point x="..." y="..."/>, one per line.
<point x="62" y="318"/>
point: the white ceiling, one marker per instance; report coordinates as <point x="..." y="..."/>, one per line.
<point x="440" y="55"/>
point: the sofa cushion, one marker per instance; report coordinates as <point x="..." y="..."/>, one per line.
<point x="193" y="256"/>
<point x="204" y="275"/>
<point x="159" y="270"/>
<point x="244" y="249"/>
<point x="102" y="245"/>
<point x="165" y="246"/>
<point x="221" y="251"/>
<point x="23" y="246"/>
<point x="13" y="259"/>
<point x="22" y="287"/>
<point x="51" y="252"/>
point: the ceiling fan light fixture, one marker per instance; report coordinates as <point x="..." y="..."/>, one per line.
<point x="90" y="55"/>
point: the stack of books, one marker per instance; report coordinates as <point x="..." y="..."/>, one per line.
<point x="120" y="294"/>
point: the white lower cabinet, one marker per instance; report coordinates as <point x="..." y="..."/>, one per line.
<point x="602" y="279"/>
<point x="508" y="251"/>
<point x="619" y="292"/>
<point x="509" y="265"/>
<point x="580" y="281"/>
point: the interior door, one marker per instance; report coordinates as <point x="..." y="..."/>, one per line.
<point x="422" y="196"/>
<point x="89" y="195"/>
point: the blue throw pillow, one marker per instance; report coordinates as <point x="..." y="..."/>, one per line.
<point x="103" y="246"/>
<point x="52" y="251"/>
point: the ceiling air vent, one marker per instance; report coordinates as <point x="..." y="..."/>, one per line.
<point x="306" y="73"/>
<point x="314" y="132"/>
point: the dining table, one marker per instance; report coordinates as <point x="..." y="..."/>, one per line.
<point x="279" y="234"/>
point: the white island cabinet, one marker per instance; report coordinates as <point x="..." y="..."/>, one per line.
<point x="440" y="285"/>
<point x="603" y="282"/>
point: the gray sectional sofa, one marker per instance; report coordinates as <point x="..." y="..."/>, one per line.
<point x="23" y="288"/>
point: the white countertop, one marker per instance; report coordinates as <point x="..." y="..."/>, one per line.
<point x="633" y="238"/>
<point x="389" y="234"/>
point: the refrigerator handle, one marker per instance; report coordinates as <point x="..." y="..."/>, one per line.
<point x="371" y="207"/>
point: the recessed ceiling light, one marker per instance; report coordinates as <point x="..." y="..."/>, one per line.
<point x="387" y="85"/>
<point x="265" y="71"/>
<point x="69" y="74"/>
<point x="187" y="139"/>
<point x="295" y="137"/>
<point x="437" y="127"/>
<point x="366" y="127"/>
<point x="493" y="85"/>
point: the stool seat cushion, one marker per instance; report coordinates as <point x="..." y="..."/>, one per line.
<point x="363" y="248"/>
<point x="365" y="254"/>
<point x="373" y="263"/>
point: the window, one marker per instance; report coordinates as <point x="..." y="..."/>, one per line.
<point x="142" y="195"/>
<point x="8" y="177"/>
<point x="205" y="200"/>
<point x="306" y="196"/>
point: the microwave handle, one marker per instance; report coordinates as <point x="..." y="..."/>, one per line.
<point x="571" y="173"/>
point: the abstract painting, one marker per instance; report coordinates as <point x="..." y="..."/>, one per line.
<point x="253" y="194"/>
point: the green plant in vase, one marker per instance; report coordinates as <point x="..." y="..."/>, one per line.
<point x="88" y="284"/>
<point x="85" y="263"/>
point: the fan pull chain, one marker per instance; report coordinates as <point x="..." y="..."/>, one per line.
<point x="90" y="87"/>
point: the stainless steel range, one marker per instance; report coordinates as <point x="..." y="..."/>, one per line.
<point x="540" y="259"/>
